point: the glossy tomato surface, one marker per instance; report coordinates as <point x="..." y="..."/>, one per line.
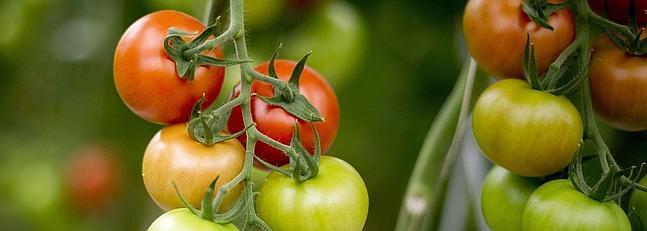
<point x="558" y="206"/>
<point x="173" y="157"/>
<point x="336" y="199"/>
<point x="496" y="33"/>
<point x="278" y="123"/>
<point x="529" y="132"/>
<point x="504" y="197"/>
<point x="146" y="78"/>
<point x="183" y="220"/>
<point x="619" y="10"/>
<point x="619" y="86"/>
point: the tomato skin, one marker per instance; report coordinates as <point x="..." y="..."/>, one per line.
<point x="496" y="33"/>
<point x="618" y="10"/>
<point x="529" y="132"/>
<point x="279" y="124"/>
<point x="93" y="178"/>
<point x="145" y="76"/>
<point x="336" y="199"/>
<point x="557" y="205"/>
<point x="504" y="197"/>
<point x="183" y="220"/>
<point x="172" y="156"/>
<point x="638" y="208"/>
<point x="619" y="86"/>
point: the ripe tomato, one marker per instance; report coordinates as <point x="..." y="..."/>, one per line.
<point x="529" y="132"/>
<point x="183" y="220"/>
<point x="495" y="32"/>
<point x="93" y="178"/>
<point x="619" y="86"/>
<point x="638" y="208"/>
<point x="557" y="205"/>
<point x="321" y="33"/>
<point x="145" y="76"/>
<point x="173" y="157"/>
<point x="279" y="124"/>
<point x="336" y="199"/>
<point x="618" y="10"/>
<point x="504" y="197"/>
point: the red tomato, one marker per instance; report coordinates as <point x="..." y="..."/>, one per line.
<point x="145" y="76"/>
<point x="93" y="178"/>
<point x="496" y="33"/>
<point x="278" y="124"/>
<point x="619" y="86"/>
<point x="618" y="10"/>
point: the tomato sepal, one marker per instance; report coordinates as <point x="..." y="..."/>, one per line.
<point x="289" y="97"/>
<point x="187" y="56"/>
<point x="539" y="10"/>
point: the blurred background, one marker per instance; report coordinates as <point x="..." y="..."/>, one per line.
<point x="70" y="150"/>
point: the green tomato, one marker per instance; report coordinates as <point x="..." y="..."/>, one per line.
<point x="638" y="208"/>
<point x="183" y="219"/>
<point x="336" y="35"/>
<point x="529" y="132"/>
<point x="557" y="205"/>
<point x="504" y="197"/>
<point x="336" y="199"/>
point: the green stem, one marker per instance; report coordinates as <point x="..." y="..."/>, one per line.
<point x="425" y="179"/>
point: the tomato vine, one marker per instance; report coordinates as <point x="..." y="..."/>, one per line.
<point x="568" y="74"/>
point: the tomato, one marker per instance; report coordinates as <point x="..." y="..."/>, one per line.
<point x="323" y="33"/>
<point x="638" y="208"/>
<point x="618" y="10"/>
<point x="557" y="205"/>
<point x="529" y="132"/>
<point x="145" y="76"/>
<point x="504" y="197"/>
<point x="93" y="178"/>
<point x="183" y="220"/>
<point x="496" y="33"/>
<point x="619" y="86"/>
<point x="173" y="157"/>
<point x="278" y="124"/>
<point x="336" y="199"/>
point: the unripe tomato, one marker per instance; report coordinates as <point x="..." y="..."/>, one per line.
<point x="146" y="78"/>
<point x="496" y="33"/>
<point x="278" y="124"/>
<point x="337" y="32"/>
<point x="504" y="197"/>
<point x="183" y="219"/>
<point x="558" y="206"/>
<point x="619" y="86"/>
<point x="336" y="199"/>
<point x="93" y="178"/>
<point x="173" y="157"/>
<point x="638" y="208"/>
<point x="529" y="132"/>
<point x="618" y="10"/>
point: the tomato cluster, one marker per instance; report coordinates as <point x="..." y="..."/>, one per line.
<point x="528" y="130"/>
<point x="178" y="170"/>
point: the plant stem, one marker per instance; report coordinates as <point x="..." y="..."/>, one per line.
<point x="427" y="177"/>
